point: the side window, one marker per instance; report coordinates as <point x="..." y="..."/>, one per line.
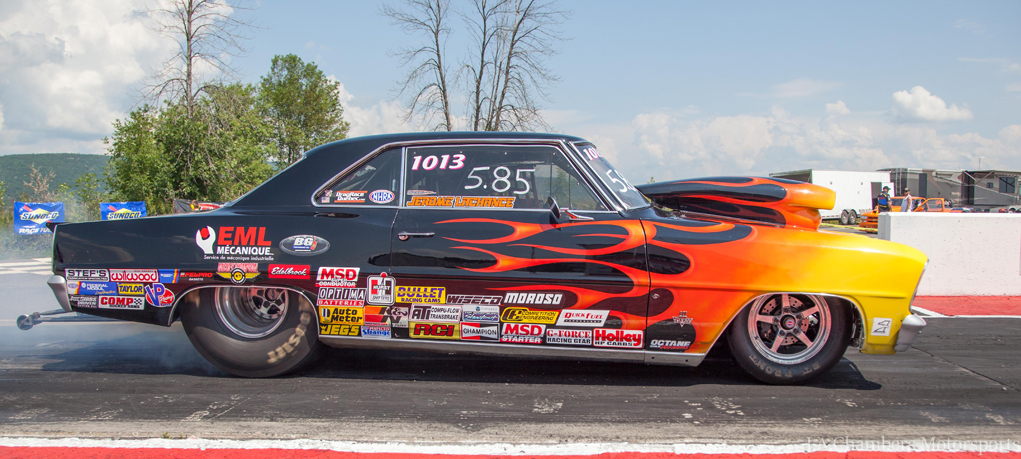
<point x="375" y="183"/>
<point x="567" y="187"/>
<point x="491" y="176"/>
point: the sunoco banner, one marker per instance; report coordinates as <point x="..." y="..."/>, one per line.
<point x="31" y="217"/>
<point x="122" y="210"/>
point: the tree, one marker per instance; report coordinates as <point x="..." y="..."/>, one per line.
<point x="39" y="185"/>
<point x="89" y="195"/>
<point x="303" y="107"/>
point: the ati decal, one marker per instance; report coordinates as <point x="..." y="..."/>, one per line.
<point x="238" y="273"/>
<point x="336" y="277"/>
<point x="881" y="326"/>
<point x="480" y="313"/>
<point x="474" y="299"/>
<point x="134" y="275"/>
<point x="304" y="245"/>
<point x="84" y="301"/>
<point x="332" y="296"/>
<point x="381" y="196"/>
<point x="376" y="331"/>
<point x="341" y="315"/>
<point x="168" y="276"/>
<point x="529" y="315"/>
<point x="532" y="298"/>
<point x="608" y="337"/>
<point x="570" y="337"/>
<point x="572" y="318"/>
<point x="339" y="330"/>
<point x="349" y="197"/>
<point x="399" y="317"/>
<point x="91" y="288"/>
<point x="435" y="313"/>
<point x="682" y="318"/>
<point x="195" y="276"/>
<point x="242" y="243"/>
<point x="381" y="290"/>
<point x="130" y="289"/>
<point x="480" y="332"/>
<point x="158" y="295"/>
<point x="121" y="302"/>
<point x="416" y="294"/>
<point x="435" y="331"/>
<point x="522" y="333"/>
<point x="669" y="344"/>
<point x="87" y="274"/>
<point x="461" y="201"/>
<point x="288" y="271"/>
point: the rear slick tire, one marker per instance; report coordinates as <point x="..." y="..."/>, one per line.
<point x="790" y="338"/>
<point x="253" y="332"/>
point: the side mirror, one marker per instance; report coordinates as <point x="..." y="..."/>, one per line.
<point x="553" y="208"/>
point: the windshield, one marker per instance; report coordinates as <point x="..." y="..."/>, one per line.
<point x="612" y="179"/>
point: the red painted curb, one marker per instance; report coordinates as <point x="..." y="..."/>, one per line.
<point x="167" y="453"/>
<point x="971" y="305"/>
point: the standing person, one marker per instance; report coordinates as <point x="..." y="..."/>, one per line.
<point x="905" y="206"/>
<point x="884" y="200"/>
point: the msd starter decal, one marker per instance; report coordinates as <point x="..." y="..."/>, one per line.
<point x="522" y="333"/>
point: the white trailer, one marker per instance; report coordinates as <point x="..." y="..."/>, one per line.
<point x="855" y="190"/>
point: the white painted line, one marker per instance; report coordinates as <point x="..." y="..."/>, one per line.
<point x="42" y="273"/>
<point x="24" y="263"/>
<point x="44" y="260"/>
<point x="552" y="449"/>
<point x="925" y="312"/>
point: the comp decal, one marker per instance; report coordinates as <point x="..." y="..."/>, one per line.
<point x="504" y="202"/>
<point x="121" y="302"/>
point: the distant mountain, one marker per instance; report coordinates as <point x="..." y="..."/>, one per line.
<point x="67" y="167"/>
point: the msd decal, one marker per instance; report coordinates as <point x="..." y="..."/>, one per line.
<point x="237" y="242"/>
<point x="381" y="290"/>
<point x="435" y="331"/>
<point x="121" y="302"/>
<point x="571" y="337"/>
<point x="522" y="333"/>
<point x="134" y="275"/>
<point x="288" y="271"/>
<point x="158" y="295"/>
<point x="608" y="337"/>
<point x="329" y="276"/>
<point x="479" y="331"/>
<point x="238" y="273"/>
<point x="572" y="318"/>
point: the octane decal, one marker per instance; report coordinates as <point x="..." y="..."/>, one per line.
<point x="341" y="315"/>
<point x="331" y="296"/>
<point x="669" y="344"/>
<point x="529" y="315"/>
<point x="416" y="294"/>
<point x="435" y="331"/>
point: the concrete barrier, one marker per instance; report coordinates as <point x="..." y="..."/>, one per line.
<point x="969" y="254"/>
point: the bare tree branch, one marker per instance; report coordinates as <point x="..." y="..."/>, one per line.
<point x="425" y="85"/>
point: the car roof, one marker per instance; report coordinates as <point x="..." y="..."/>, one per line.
<point x="373" y="142"/>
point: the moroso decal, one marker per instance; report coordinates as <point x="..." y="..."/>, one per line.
<point x="435" y="331"/>
<point x="418" y="294"/>
<point x="532" y="298"/>
<point x="339" y="330"/>
<point x="522" y="333"/>
<point x="381" y="290"/>
<point x="121" y="302"/>
<point x="342" y="315"/>
<point x="134" y="275"/>
<point x="331" y="296"/>
<point x="570" y="337"/>
<point x="573" y="318"/>
<point x="529" y="315"/>
<point x="606" y="337"/>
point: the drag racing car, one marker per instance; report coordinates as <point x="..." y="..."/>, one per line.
<point x="504" y="244"/>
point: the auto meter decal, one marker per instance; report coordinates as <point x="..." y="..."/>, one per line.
<point x="158" y="295"/>
<point x="381" y="196"/>
<point x="304" y="245"/>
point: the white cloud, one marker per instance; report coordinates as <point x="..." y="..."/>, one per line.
<point x="970" y="26"/>
<point x="1014" y="87"/>
<point x="1006" y="65"/>
<point x="922" y="105"/>
<point x="801" y="87"/>
<point x="382" y="117"/>
<point x="837" y="109"/>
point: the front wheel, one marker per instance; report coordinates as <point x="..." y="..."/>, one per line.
<point x="253" y="332"/>
<point x="789" y="338"/>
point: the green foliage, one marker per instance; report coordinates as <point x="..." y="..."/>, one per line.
<point x="303" y="107"/>
<point x="89" y="193"/>
<point x="6" y="212"/>
<point x="15" y="170"/>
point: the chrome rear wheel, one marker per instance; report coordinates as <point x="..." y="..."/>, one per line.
<point x="251" y="312"/>
<point x="789" y="329"/>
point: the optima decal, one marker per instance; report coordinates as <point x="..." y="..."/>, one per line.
<point x="573" y="318"/>
<point x="134" y="275"/>
<point x="529" y="315"/>
<point x="242" y="243"/>
<point x="415" y="294"/>
<point x="330" y="296"/>
<point x="121" y="302"/>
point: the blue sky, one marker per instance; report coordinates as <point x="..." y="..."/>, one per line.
<point x="666" y="88"/>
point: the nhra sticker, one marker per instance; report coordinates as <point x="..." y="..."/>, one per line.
<point x="84" y="301"/>
<point x="608" y="337"/>
<point x="336" y="277"/>
<point x="435" y="331"/>
<point x="91" y="288"/>
<point x="339" y="330"/>
<point x="571" y="337"/>
<point x="572" y="318"/>
<point x="130" y="289"/>
<point x="238" y="273"/>
<point x="304" y="245"/>
<point x="414" y="294"/>
<point x="881" y="326"/>
<point x="87" y="274"/>
<point x="532" y="298"/>
<point x="134" y="275"/>
<point x="288" y="271"/>
<point x="479" y="313"/>
<point x="158" y="295"/>
<point x="241" y="243"/>
<point x="349" y="197"/>
<point x="522" y="333"/>
<point x="381" y="290"/>
<point x="341" y="315"/>
<point x="381" y="196"/>
<point x="529" y="315"/>
<point x="435" y="313"/>
<point x="331" y="296"/>
<point x="479" y="331"/>
<point x="121" y="302"/>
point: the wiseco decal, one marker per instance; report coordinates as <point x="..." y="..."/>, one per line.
<point x="489" y="300"/>
<point x="522" y="333"/>
<point x="480" y="331"/>
<point x="608" y="337"/>
<point x="529" y="315"/>
<point x="570" y="337"/>
<point x="329" y="276"/>
<point x="434" y="331"/>
<point x="234" y="240"/>
<point x="573" y="318"/>
<point x="416" y="294"/>
<point x="134" y="275"/>
<point x="288" y="271"/>
<point x="121" y="302"/>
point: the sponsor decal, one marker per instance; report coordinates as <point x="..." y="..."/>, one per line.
<point x="474" y="299"/>
<point x="334" y="296"/>
<point x="380" y="331"/>
<point x="442" y="162"/>
<point x="418" y="294"/>
<point x="669" y="344"/>
<point x="121" y="210"/>
<point x="381" y="196"/>
<point x="134" y="275"/>
<point x="121" y="302"/>
<point x="420" y="192"/>
<point x="435" y="331"/>
<point x="240" y="243"/>
<point x="435" y="313"/>
<point x="87" y="274"/>
<point x="349" y="197"/>
<point x="84" y="301"/>
<point x="238" y="273"/>
<point x="329" y="276"/>
<point x="341" y="315"/>
<point x="681" y="318"/>
<point x="479" y="331"/>
<point x="304" y="245"/>
<point x="479" y="313"/>
<point x="339" y="330"/>
<point x="529" y="315"/>
<point x="569" y="337"/>
<point x="329" y="192"/>
<point x="522" y="333"/>
<point x="158" y="295"/>
<point x="881" y="326"/>
<point x="609" y="337"/>
<point x="93" y="288"/>
<point x="130" y="289"/>
<point x="288" y="271"/>
<point x="575" y="318"/>
<point x="461" y="201"/>
<point x="399" y="317"/>
<point x="195" y="276"/>
<point x="169" y="276"/>
<point x="381" y="289"/>
<point x="72" y="287"/>
<point x="532" y="298"/>
<point x="31" y="217"/>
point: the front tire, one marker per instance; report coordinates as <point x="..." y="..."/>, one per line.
<point x="789" y="338"/>
<point x="254" y="332"/>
